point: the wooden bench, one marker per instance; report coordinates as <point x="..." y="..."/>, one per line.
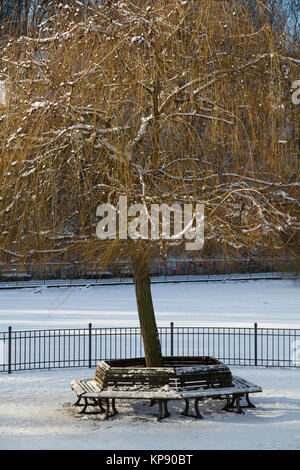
<point x="240" y="388"/>
<point x="173" y="381"/>
<point x="111" y="383"/>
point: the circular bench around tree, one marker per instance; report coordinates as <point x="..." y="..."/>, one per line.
<point x="180" y="378"/>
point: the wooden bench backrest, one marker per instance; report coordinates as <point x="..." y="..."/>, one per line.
<point x="217" y="376"/>
<point x="168" y="361"/>
<point x="118" y="376"/>
<point x="186" y="361"/>
<point x="191" y="377"/>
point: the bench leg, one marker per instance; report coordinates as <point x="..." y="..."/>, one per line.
<point x="236" y="399"/>
<point x="198" y="414"/>
<point x="113" y="407"/>
<point x="86" y="404"/>
<point x="250" y="405"/>
<point x="98" y="402"/>
<point x="232" y="402"/>
<point x="95" y="403"/>
<point x="77" y="403"/>
<point x="238" y="405"/>
<point x="166" y="414"/>
<point x="227" y="406"/>
<point x="185" y="412"/>
<point x="107" y="408"/>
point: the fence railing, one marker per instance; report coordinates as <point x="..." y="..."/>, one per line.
<point x="162" y="278"/>
<point x="85" y="347"/>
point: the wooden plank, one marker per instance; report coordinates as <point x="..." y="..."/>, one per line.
<point x="241" y="386"/>
<point x="92" y="385"/>
<point x="103" y="365"/>
<point x="84" y="386"/>
<point x="147" y="394"/>
<point x="189" y="394"/>
<point x="77" y="387"/>
<point x="132" y="362"/>
<point x="109" y="377"/>
<point x="239" y="381"/>
<point x="206" y="378"/>
<point x="142" y="371"/>
<point x="181" y="361"/>
<point x="205" y="369"/>
<point x="170" y="361"/>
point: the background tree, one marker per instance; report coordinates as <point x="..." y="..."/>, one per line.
<point x="160" y="102"/>
<point x="16" y="15"/>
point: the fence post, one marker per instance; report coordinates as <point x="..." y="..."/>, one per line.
<point x="9" y="349"/>
<point x="255" y="344"/>
<point x="90" y="345"/>
<point x="172" y="338"/>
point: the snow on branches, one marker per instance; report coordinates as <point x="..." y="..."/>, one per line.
<point x="157" y="101"/>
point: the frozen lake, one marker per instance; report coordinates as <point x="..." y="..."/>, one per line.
<point x="269" y="303"/>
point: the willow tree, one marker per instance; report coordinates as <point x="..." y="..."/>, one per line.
<point x="159" y="103"/>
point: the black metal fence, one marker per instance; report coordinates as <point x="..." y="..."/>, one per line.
<point x="85" y="347"/>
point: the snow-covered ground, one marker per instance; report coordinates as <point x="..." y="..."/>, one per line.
<point x="38" y="413"/>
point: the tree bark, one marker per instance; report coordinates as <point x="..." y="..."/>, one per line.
<point x="152" y="347"/>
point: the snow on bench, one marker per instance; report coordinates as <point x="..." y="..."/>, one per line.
<point x="162" y="384"/>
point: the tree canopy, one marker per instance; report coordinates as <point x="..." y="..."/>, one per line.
<point x="161" y="102"/>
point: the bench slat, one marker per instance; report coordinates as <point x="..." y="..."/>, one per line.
<point x="241" y="386"/>
<point x="147" y="394"/>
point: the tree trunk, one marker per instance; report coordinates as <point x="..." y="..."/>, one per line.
<point x="140" y="270"/>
